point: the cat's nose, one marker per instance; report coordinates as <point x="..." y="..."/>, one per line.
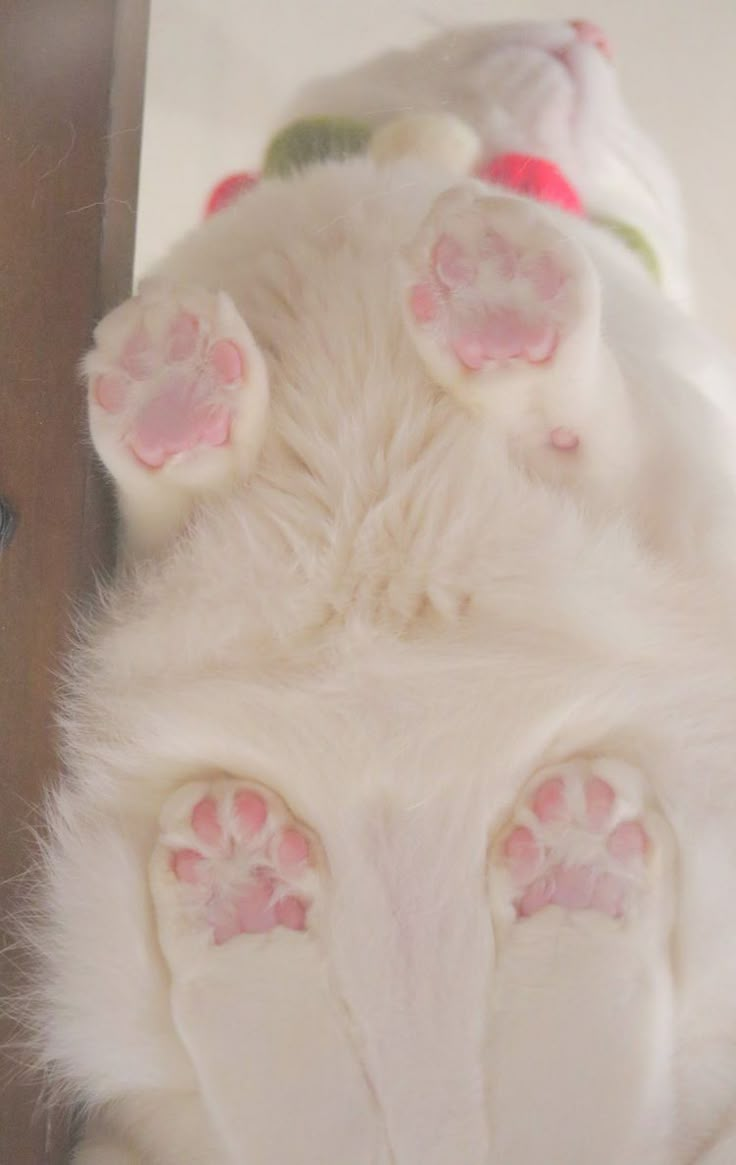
<point x="590" y="33"/>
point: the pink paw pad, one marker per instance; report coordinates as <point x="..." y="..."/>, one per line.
<point x="550" y="800"/>
<point x="170" y="379"/>
<point x="249" y="869"/>
<point x="522" y="853"/>
<point x="574" y="845"/>
<point x="492" y="303"/>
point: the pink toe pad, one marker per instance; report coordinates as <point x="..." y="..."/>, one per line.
<point x="251" y="811"/>
<point x="599" y="801"/>
<point x="206" y="821"/>
<point x="550" y="801"/>
<point x="523" y="853"/>
<point x="227" y="360"/>
<point x="139" y="356"/>
<point x="628" y="840"/>
<point x="111" y="390"/>
<point x="183" y="337"/>
<point x="293" y="848"/>
<point x="187" y="865"/>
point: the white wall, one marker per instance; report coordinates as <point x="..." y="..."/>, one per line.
<point x="219" y="72"/>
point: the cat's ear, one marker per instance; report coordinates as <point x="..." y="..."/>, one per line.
<point x="495" y="294"/>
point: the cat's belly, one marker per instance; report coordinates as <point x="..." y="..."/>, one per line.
<point x="451" y="866"/>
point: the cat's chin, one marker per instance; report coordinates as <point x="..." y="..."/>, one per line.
<point x="548" y="89"/>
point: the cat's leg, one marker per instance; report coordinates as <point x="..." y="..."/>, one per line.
<point x="504" y="310"/>
<point x="722" y="1153"/>
<point x="178" y="398"/>
<point x="581" y="885"/>
<point x="239" y="889"/>
<point x="159" y="1127"/>
<point x="98" y="1147"/>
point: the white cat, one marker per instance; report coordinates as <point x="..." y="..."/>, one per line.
<point x="398" y="816"/>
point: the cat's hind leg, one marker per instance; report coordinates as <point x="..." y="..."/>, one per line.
<point x="239" y="889"/>
<point x="158" y="1127"/>
<point x="581" y="887"/>
<point x="721" y="1151"/>
<point x="178" y="398"/>
<point x="99" y="1148"/>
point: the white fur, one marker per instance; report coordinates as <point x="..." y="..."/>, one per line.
<point x="438" y="138"/>
<point x="502" y="81"/>
<point x="393" y="623"/>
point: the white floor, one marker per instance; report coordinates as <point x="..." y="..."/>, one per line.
<point x="219" y="72"/>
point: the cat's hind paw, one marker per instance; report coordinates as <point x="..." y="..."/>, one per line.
<point x="231" y="861"/>
<point x="582" y="839"/>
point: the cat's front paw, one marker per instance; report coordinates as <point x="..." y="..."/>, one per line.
<point x="177" y="387"/>
<point x="504" y="308"/>
<point x="499" y="302"/>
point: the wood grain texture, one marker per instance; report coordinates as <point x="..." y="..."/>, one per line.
<point x="71" y="93"/>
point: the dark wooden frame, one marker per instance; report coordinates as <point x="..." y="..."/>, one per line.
<point x="71" y="105"/>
